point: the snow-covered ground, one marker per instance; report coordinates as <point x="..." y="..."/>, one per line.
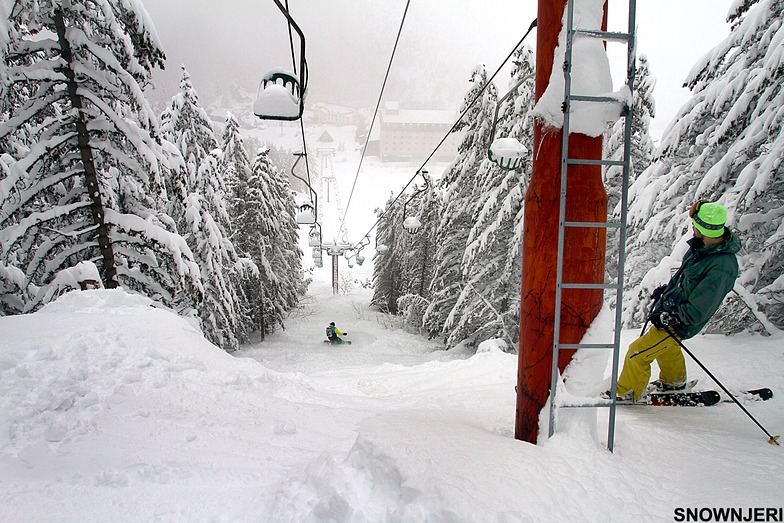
<point x="113" y="410"/>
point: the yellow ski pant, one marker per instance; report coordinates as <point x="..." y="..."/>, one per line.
<point x="653" y="345"/>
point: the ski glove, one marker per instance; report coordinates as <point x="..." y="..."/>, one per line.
<point x="657" y="293"/>
<point x="663" y="319"/>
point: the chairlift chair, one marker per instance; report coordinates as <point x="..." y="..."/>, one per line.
<point x="411" y="223"/>
<point x="314" y="237"/>
<point x="364" y="242"/>
<point x="281" y="94"/>
<point x="308" y="205"/>
<point x="508" y="153"/>
<point x="306" y="214"/>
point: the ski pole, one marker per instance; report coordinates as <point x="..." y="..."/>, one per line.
<point x="648" y="316"/>
<point x="774" y="440"/>
<point x="644" y="325"/>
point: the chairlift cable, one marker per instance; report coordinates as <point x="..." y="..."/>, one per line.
<point x="446" y="136"/>
<point x="375" y="113"/>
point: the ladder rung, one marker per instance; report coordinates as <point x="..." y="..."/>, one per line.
<point x="597" y="225"/>
<point x="586" y="345"/>
<point x="591" y="98"/>
<point x="589" y="286"/>
<point x="586" y="161"/>
<point x="604" y="35"/>
<point x="587" y="405"/>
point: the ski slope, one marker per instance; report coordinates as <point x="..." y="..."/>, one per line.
<point x="114" y="410"/>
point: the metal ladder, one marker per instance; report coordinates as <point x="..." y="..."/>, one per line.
<point x="629" y="39"/>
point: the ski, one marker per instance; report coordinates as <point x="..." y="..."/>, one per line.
<point x="704" y="398"/>
<point x="761" y="394"/>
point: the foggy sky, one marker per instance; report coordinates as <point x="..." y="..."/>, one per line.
<point x="349" y="43"/>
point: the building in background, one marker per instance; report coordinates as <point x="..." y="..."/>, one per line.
<point x="321" y="113"/>
<point x="412" y="135"/>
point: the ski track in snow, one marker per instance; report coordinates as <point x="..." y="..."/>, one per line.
<point x="117" y="411"/>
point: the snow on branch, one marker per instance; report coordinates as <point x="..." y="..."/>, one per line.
<point x="174" y="243"/>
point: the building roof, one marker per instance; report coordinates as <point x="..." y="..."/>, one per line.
<point x="404" y="116"/>
<point x="325" y="138"/>
<point x="333" y="108"/>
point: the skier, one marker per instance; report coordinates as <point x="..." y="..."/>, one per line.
<point x="334" y="335"/>
<point x="683" y="306"/>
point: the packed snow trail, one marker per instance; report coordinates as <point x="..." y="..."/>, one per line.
<point x="114" y="410"/>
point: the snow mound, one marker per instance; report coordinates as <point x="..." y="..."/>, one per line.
<point x="98" y="301"/>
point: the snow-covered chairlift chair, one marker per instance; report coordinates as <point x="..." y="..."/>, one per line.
<point x="508" y="153"/>
<point x="307" y="211"/>
<point x="279" y="96"/>
<point x="412" y="225"/>
<point x="314" y="237"/>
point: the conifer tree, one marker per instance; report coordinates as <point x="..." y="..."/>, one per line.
<point x="270" y="234"/>
<point x="460" y="187"/>
<point x="416" y="249"/>
<point x="83" y="160"/>
<point x="235" y="165"/>
<point x="202" y="218"/>
<point x="489" y="303"/>
<point x="725" y="145"/>
<point x="387" y="272"/>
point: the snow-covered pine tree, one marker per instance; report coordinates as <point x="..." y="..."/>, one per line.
<point x="461" y="187"/>
<point x="387" y="273"/>
<point x="270" y="234"/>
<point x="235" y="165"/>
<point x="202" y="218"/>
<point x="642" y="152"/>
<point x="416" y="251"/>
<point x="74" y="117"/>
<point x="489" y="303"/>
<point x="726" y="145"/>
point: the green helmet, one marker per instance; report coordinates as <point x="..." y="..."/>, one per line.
<point x="709" y="218"/>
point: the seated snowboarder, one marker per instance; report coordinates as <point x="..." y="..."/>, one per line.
<point x="333" y="334"/>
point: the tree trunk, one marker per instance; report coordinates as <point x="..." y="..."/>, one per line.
<point x="90" y="175"/>
<point x="584" y="248"/>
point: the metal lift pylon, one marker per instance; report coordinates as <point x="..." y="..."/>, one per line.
<point x="628" y="38"/>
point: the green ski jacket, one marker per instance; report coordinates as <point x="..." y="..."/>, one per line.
<point x="705" y="277"/>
